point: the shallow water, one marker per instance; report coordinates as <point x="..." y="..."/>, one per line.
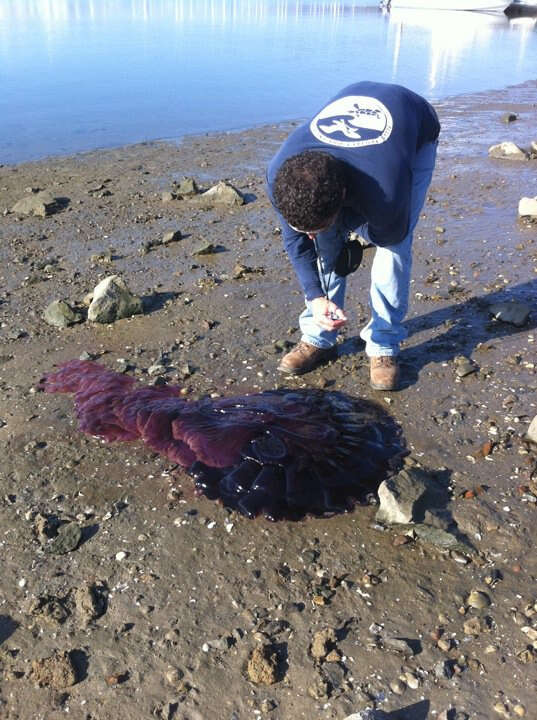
<point x="80" y="74"/>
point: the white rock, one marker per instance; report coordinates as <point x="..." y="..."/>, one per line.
<point x="40" y="204"/>
<point x="531" y="435"/>
<point x="222" y="194"/>
<point x="121" y="555"/>
<point x="112" y="300"/>
<point x="507" y="150"/>
<point x="398" y="497"/>
<point x="527" y="207"/>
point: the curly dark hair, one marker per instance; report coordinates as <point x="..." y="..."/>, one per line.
<point x="309" y="189"/>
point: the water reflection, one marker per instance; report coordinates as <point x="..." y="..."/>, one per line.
<point x="451" y="37"/>
<point x="80" y="74"/>
<point x="51" y="12"/>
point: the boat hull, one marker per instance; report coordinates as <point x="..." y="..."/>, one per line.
<point x="517" y="10"/>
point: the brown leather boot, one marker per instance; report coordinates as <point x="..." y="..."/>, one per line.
<point x="305" y="357"/>
<point x="384" y="372"/>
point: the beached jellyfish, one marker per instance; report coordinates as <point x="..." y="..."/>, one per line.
<point x="280" y="453"/>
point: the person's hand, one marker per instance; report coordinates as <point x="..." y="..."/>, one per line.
<point x="327" y="314"/>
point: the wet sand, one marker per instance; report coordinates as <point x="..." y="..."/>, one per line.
<point x="167" y="626"/>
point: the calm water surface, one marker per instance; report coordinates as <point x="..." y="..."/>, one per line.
<point x="83" y="74"/>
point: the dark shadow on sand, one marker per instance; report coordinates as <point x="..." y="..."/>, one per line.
<point x="469" y="323"/>
<point x="417" y="711"/>
<point x="7" y="627"/>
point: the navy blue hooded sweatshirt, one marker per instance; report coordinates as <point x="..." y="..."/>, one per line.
<point x="375" y="129"/>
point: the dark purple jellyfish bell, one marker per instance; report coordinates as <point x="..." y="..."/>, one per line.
<point x="267" y="448"/>
<point x="279" y="453"/>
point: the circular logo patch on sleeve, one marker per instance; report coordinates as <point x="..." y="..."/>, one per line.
<point x="353" y="121"/>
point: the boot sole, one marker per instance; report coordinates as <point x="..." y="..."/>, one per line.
<point x="385" y="388"/>
<point x="286" y="371"/>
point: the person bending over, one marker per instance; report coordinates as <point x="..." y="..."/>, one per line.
<point x="361" y="165"/>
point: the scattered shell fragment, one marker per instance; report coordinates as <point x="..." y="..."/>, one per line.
<point x="502" y="709"/>
<point x="397" y="687"/>
<point x="478" y="600"/>
<point x="530" y="632"/>
<point x="412" y="680"/>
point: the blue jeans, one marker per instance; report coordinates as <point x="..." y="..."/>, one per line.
<point x="390" y="273"/>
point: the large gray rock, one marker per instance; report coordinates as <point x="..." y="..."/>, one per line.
<point x="527" y="207"/>
<point x="112" y="300"/>
<point x="507" y="151"/>
<point x="40" y="204"/>
<point x="170" y="236"/>
<point x="513" y="312"/>
<point x="60" y="314"/>
<point x="187" y="187"/>
<point x="435" y="536"/>
<point x="222" y="194"/>
<point x="399" y="497"/>
<point x="531" y="435"/>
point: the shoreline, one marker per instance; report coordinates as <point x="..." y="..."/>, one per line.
<point x="161" y="605"/>
<point x="177" y="141"/>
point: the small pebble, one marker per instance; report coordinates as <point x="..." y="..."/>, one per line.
<point x="174" y="676"/>
<point x="121" y="555"/>
<point x="460" y="558"/>
<point x="445" y="644"/>
<point x="472" y="627"/>
<point x="519" y="710"/>
<point x="116" y="679"/>
<point x="268" y="705"/>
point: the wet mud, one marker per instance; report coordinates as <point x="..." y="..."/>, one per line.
<point x="126" y="594"/>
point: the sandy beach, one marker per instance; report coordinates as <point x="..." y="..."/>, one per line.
<point x="157" y="609"/>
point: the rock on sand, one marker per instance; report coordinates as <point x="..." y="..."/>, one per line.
<point x="41" y="204"/>
<point x="507" y="151"/>
<point x="112" y="300"/>
<point x="527" y="207"/>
